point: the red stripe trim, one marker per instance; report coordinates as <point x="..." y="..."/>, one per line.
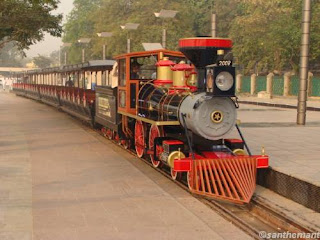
<point x="234" y="140"/>
<point x="205" y="42"/>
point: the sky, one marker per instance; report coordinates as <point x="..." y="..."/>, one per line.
<point x="50" y="44"/>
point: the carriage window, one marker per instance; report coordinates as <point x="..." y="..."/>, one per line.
<point x="122" y="72"/>
<point x="105" y="78"/>
<point x="143" y="68"/>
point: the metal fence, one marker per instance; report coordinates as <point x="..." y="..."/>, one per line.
<point x="278" y="85"/>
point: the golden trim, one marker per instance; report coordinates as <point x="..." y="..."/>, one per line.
<point x="263" y="151"/>
<point x="173" y="156"/>
<point x="157" y="123"/>
<point x="220" y="52"/>
<point x="239" y="152"/>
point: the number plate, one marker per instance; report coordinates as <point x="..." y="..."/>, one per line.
<point x="225" y="63"/>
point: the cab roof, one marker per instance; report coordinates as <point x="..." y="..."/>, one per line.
<point x="147" y="53"/>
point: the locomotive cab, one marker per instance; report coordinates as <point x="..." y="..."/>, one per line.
<point x="135" y="69"/>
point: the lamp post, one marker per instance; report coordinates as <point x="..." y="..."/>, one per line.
<point x="165" y="14"/>
<point x="64" y="45"/>
<point x="304" y="63"/>
<point x="213" y="25"/>
<point x="84" y="41"/>
<point x="104" y="35"/>
<point x="129" y="26"/>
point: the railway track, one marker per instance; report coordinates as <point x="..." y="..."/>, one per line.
<point x="257" y="219"/>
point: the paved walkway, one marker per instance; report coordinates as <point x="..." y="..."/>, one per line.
<point x="60" y="180"/>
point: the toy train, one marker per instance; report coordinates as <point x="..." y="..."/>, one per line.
<point x="174" y="108"/>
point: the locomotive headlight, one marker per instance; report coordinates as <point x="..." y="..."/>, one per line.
<point x="224" y="81"/>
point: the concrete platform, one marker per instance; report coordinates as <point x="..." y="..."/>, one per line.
<point x="60" y="180"/>
<point x="294" y="150"/>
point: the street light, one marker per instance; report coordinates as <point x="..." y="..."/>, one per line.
<point x="104" y="35"/>
<point x="84" y="41"/>
<point x="64" y="45"/>
<point x="129" y="26"/>
<point x="165" y="14"/>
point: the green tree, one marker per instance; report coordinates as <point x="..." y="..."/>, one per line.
<point x="10" y="56"/>
<point x="226" y="12"/>
<point x="201" y="12"/>
<point x="26" y="21"/>
<point x="80" y="24"/>
<point x="83" y="22"/>
<point x="55" y="58"/>
<point x="267" y="34"/>
<point x="42" y="61"/>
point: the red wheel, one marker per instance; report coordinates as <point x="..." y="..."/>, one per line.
<point x="125" y="144"/>
<point x="104" y="132"/>
<point x="139" y="138"/>
<point x="117" y="138"/>
<point x="84" y="99"/>
<point x="109" y="134"/>
<point x="154" y="132"/>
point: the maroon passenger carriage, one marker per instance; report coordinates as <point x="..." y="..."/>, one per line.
<point x="172" y="108"/>
<point x="49" y="86"/>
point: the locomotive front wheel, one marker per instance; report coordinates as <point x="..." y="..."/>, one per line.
<point x="192" y="184"/>
<point x="139" y="138"/>
<point x="175" y="175"/>
<point x="154" y="132"/>
<point x="189" y="181"/>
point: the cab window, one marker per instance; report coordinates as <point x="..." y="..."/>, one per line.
<point x="122" y="72"/>
<point x="143" y="68"/>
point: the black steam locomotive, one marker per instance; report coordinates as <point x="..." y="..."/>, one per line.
<point x="174" y="108"/>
